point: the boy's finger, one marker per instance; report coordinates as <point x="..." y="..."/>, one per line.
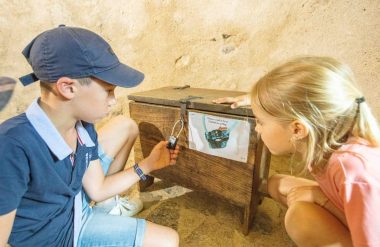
<point x="172" y="162"/>
<point x="176" y="150"/>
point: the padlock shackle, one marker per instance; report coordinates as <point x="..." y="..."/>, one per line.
<point x="182" y="125"/>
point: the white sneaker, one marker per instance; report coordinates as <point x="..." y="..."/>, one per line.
<point x="126" y="206"/>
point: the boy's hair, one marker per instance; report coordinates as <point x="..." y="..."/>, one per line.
<point x="322" y="93"/>
<point x="84" y="81"/>
<point x="48" y="85"/>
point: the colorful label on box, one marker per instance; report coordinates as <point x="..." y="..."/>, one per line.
<point x="223" y="137"/>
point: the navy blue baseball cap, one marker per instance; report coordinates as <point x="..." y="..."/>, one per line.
<point x="76" y="53"/>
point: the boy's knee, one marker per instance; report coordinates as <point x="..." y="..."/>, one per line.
<point x="131" y="127"/>
<point x="154" y="233"/>
<point x="173" y="238"/>
<point x="127" y="125"/>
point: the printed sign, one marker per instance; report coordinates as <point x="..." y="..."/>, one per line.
<point x="222" y="137"/>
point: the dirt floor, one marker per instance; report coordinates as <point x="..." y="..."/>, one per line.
<point x="204" y="220"/>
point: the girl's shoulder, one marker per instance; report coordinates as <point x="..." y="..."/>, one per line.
<point x="357" y="147"/>
<point x="356" y="159"/>
<point x="357" y="141"/>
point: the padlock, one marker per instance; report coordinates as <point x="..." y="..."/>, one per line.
<point x="172" y="138"/>
<point x="172" y="142"/>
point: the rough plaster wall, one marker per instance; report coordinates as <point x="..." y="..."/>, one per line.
<point x="212" y="44"/>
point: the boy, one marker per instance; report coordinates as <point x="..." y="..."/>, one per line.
<point x="51" y="150"/>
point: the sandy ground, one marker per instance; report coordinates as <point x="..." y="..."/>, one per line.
<point x="204" y="220"/>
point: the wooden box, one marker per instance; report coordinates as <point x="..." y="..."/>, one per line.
<point x="239" y="183"/>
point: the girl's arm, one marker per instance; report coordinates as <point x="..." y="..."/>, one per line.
<point x="314" y="194"/>
<point x="242" y="100"/>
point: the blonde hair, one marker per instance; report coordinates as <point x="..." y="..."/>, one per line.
<point x="322" y="93"/>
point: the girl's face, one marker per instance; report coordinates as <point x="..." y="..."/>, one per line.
<point x="276" y="135"/>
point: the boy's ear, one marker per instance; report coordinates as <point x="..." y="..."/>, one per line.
<point x="66" y="87"/>
<point x="299" y="130"/>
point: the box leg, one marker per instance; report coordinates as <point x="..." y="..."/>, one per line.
<point x="249" y="214"/>
<point x="259" y="190"/>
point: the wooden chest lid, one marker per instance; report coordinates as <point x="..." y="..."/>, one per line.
<point x="195" y="98"/>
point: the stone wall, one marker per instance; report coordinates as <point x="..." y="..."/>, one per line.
<point x="214" y="44"/>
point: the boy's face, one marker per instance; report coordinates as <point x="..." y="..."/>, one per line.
<point x="94" y="101"/>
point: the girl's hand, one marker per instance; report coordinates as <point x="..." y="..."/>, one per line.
<point x="159" y="157"/>
<point x="307" y="194"/>
<point x="242" y="100"/>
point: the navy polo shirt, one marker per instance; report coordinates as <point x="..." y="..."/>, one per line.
<point x="38" y="178"/>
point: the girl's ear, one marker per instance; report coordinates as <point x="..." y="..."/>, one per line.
<point x="299" y="130"/>
<point x="66" y="87"/>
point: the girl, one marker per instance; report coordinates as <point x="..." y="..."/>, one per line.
<point x="311" y="108"/>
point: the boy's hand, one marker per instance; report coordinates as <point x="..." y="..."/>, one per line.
<point x="159" y="157"/>
<point x="242" y="100"/>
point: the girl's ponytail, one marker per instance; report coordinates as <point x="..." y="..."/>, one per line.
<point x="365" y="125"/>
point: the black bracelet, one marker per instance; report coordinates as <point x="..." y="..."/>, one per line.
<point x="139" y="172"/>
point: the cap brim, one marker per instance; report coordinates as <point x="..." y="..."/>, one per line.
<point x="121" y="75"/>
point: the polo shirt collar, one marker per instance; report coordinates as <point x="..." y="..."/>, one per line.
<point x="49" y="133"/>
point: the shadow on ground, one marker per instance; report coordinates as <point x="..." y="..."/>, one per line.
<point x="206" y="221"/>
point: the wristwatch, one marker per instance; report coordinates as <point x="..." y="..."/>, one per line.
<point x="139" y="172"/>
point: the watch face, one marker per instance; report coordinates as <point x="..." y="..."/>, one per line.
<point x="6" y="89"/>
